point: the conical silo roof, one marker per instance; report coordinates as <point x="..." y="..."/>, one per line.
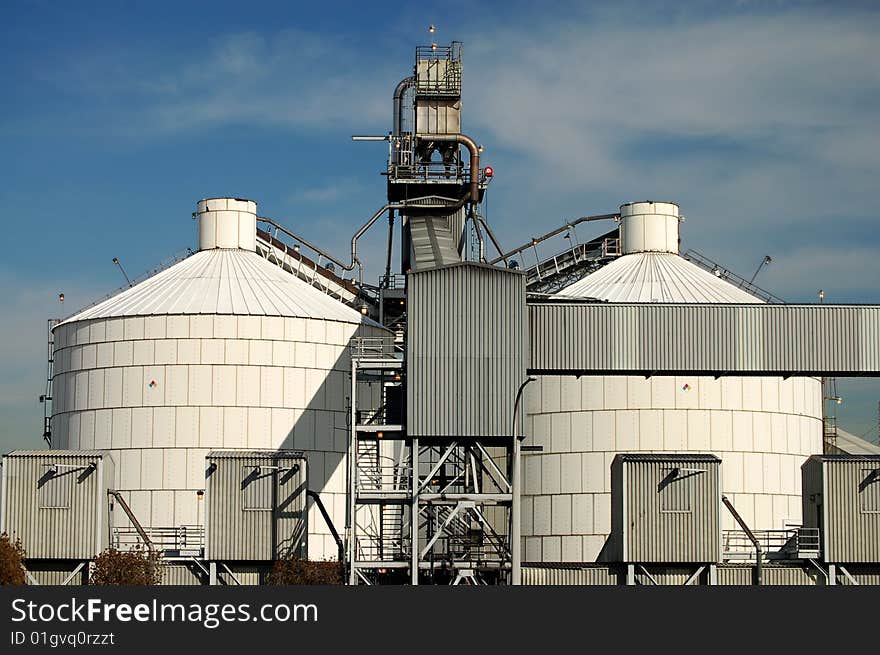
<point x="652" y="270"/>
<point x="224" y="281"/>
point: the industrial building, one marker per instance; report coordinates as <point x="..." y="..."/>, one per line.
<point x="618" y="413"/>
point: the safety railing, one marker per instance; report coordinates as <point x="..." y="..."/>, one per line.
<point x="390" y="478"/>
<point x="789" y="543"/>
<point x="384" y="548"/>
<point x="736" y="280"/>
<point x="393" y="281"/>
<point x="375" y="348"/>
<point x="430" y="171"/>
<point x="180" y="538"/>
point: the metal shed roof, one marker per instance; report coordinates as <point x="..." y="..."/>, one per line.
<point x="220" y="281"/>
<point x="841" y="457"/>
<point x="58" y="453"/>
<point x="850" y="444"/>
<point x="668" y="457"/>
<point x="268" y="454"/>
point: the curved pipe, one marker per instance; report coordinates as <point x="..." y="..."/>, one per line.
<point x="473" y="148"/>
<point x="355" y="260"/>
<point x="401" y="88"/>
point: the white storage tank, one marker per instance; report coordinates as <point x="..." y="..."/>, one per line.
<point x="223" y="350"/>
<point x="763" y="428"/>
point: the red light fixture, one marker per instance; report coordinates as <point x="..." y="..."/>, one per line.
<point x="488" y="171"/>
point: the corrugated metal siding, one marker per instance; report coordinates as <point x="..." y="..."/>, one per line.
<point x="466" y="350"/>
<point x="660" y="518"/>
<point x="77" y="531"/>
<point x="864" y="575"/>
<point x="182" y="574"/>
<point x="588" y="575"/>
<point x="772" y="575"/>
<point x="811" y="495"/>
<point x="681" y="338"/>
<point x="235" y="533"/>
<point x="853" y="531"/>
<point x="55" y="573"/>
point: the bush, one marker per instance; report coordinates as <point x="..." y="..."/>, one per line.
<point x="135" y="567"/>
<point x="295" y="571"/>
<point x="11" y="561"/>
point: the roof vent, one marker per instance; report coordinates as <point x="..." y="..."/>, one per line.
<point x="227" y="223"/>
<point x="649" y="227"/>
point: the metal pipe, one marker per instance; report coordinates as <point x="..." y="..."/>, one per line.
<point x="515" y="510"/>
<point x="536" y="240"/>
<point x="401" y="88"/>
<point x="759" y="552"/>
<point x="131" y="517"/>
<point x="474" y="150"/>
<point x="355" y="261"/>
<point x="314" y="496"/>
<point x="388" y="251"/>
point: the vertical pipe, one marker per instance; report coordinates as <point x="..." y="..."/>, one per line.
<point x="388" y="249"/>
<point x="515" y="501"/>
<point x="414" y="513"/>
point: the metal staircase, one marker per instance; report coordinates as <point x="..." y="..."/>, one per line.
<point x="380" y="472"/>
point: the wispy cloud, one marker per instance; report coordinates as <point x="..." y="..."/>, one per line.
<point x="287" y="79"/>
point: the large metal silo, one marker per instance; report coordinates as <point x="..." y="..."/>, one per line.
<point x="763" y="428"/>
<point x="223" y="350"/>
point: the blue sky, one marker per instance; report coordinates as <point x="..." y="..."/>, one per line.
<point x="759" y="118"/>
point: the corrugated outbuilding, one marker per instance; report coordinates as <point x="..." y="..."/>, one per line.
<point x="255" y="505"/>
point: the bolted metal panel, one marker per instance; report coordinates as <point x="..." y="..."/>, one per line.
<point x="55" y="501"/>
<point x="745" y="339"/>
<point x="570" y="575"/>
<point x="842" y="499"/>
<point x="466" y="350"/>
<point x="666" y="508"/>
<point x="240" y="524"/>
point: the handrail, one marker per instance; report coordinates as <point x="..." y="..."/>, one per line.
<point x="536" y="240"/>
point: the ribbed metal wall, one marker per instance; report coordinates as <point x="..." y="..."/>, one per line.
<point x="772" y="575"/>
<point x="688" y="338"/>
<point x="234" y="533"/>
<point x="588" y="575"/>
<point x="838" y="483"/>
<point x="54" y="573"/>
<point x="656" y="517"/>
<point x="79" y="531"/>
<point x="466" y="350"/>
<point x="182" y="575"/>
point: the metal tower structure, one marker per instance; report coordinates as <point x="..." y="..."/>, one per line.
<point x="431" y="503"/>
